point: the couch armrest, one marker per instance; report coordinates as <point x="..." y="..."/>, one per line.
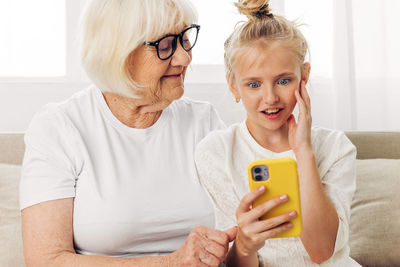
<point x="372" y="145"/>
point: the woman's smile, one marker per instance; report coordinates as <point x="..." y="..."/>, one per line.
<point x="173" y="76"/>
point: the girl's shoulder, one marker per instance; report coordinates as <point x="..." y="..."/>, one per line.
<point x="326" y="136"/>
<point x="330" y="144"/>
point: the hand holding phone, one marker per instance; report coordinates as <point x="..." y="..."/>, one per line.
<point x="253" y="232"/>
<point x="280" y="177"/>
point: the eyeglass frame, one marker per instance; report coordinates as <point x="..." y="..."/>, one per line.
<point x="175" y="43"/>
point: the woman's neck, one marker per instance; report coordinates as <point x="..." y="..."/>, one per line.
<point x="273" y="140"/>
<point x="132" y="112"/>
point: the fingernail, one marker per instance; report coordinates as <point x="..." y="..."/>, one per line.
<point x="283" y="197"/>
<point x="261" y="188"/>
<point x="292" y="213"/>
<point x="289" y="225"/>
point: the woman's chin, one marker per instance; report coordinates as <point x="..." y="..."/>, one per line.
<point x="174" y="93"/>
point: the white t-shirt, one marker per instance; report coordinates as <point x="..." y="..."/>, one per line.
<point x="136" y="191"/>
<point x="222" y="158"/>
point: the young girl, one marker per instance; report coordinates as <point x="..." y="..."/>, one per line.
<point x="266" y="70"/>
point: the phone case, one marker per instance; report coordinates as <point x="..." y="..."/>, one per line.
<point x="279" y="177"/>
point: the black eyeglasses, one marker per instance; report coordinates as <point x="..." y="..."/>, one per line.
<point x="166" y="46"/>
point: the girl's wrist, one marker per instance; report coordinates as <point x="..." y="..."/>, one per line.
<point x="241" y="251"/>
<point x="304" y="152"/>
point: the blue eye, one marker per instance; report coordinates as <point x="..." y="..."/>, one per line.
<point x="254" y="85"/>
<point x="283" y="81"/>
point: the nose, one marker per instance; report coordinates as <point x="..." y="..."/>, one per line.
<point x="270" y="95"/>
<point x="181" y="57"/>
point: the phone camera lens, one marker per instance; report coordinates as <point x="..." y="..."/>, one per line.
<point x="258" y="178"/>
<point x="257" y="170"/>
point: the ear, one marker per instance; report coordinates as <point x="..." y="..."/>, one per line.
<point x="305" y="72"/>
<point x="232" y="86"/>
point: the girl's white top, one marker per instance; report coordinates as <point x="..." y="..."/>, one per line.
<point x="222" y="158"/>
<point x="136" y="191"/>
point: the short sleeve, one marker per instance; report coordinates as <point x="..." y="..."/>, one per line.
<point x="210" y="157"/>
<point x="215" y="120"/>
<point x="339" y="184"/>
<point x="48" y="171"/>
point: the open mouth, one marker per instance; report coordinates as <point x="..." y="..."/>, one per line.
<point x="272" y="113"/>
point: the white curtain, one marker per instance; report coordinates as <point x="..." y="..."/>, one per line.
<point x="366" y="64"/>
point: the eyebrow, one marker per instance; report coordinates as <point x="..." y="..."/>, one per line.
<point x="275" y="77"/>
<point x="284" y="74"/>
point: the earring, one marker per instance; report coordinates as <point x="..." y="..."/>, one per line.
<point x="237" y="99"/>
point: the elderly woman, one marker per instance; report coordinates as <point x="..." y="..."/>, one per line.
<point x="109" y="177"/>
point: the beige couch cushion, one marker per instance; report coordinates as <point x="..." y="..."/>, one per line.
<point x="11" y="253"/>
<point x="375" y="214"/>
<point x="12" y="148"/>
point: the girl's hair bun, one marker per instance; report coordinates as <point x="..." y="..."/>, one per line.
<point x="254" y="9"/>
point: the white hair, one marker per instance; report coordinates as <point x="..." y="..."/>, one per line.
<point x="112" y="29"/>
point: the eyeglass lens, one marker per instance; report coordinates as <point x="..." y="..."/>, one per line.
<point x="167" y="46"/>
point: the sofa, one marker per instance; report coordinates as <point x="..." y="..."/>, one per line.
<point x="375" y="212"/>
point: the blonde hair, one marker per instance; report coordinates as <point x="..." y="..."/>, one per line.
<point x="112" y="29"/>
<point x="262" y="26"/>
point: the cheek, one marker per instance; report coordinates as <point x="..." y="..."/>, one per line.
<point x="150" y="70"/>
<point x="159" y="73"/>
<point x="250" y="99"/>
<point x="292" y="97"/>
<point x="289" y="97"/>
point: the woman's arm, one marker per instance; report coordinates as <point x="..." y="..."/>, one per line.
<point x="48" y="241"/>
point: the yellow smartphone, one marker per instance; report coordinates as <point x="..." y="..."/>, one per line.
<point x="279" y="176"/>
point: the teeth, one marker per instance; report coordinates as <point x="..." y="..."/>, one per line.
<point x="269" y="111"/>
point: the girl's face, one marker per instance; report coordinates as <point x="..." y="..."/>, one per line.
<point x="266" y="79"/>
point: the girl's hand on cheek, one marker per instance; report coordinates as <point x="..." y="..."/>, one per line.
<point x="300" y="133"/>
<point x="252" y="232"/>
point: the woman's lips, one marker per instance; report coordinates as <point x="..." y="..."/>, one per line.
<point x="174" y="76"/>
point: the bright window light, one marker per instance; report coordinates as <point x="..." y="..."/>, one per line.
<point x="219" y="21"/>
<point x="32" y="38"/>
<point x="317" y="17"/>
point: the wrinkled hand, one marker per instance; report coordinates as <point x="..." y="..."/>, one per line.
<point x="300" y="133"/>
<point x="203" y="247"/>
<point x="252" y="232"/>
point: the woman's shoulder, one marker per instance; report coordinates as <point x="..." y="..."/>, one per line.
<point x="187" y="103"/>
<point x="48" y="117"/>
<point x="55" y="109"/>
<point x="54" y="117"/>
<point x="203" y="115"/>
<point x="218" y="139"/>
